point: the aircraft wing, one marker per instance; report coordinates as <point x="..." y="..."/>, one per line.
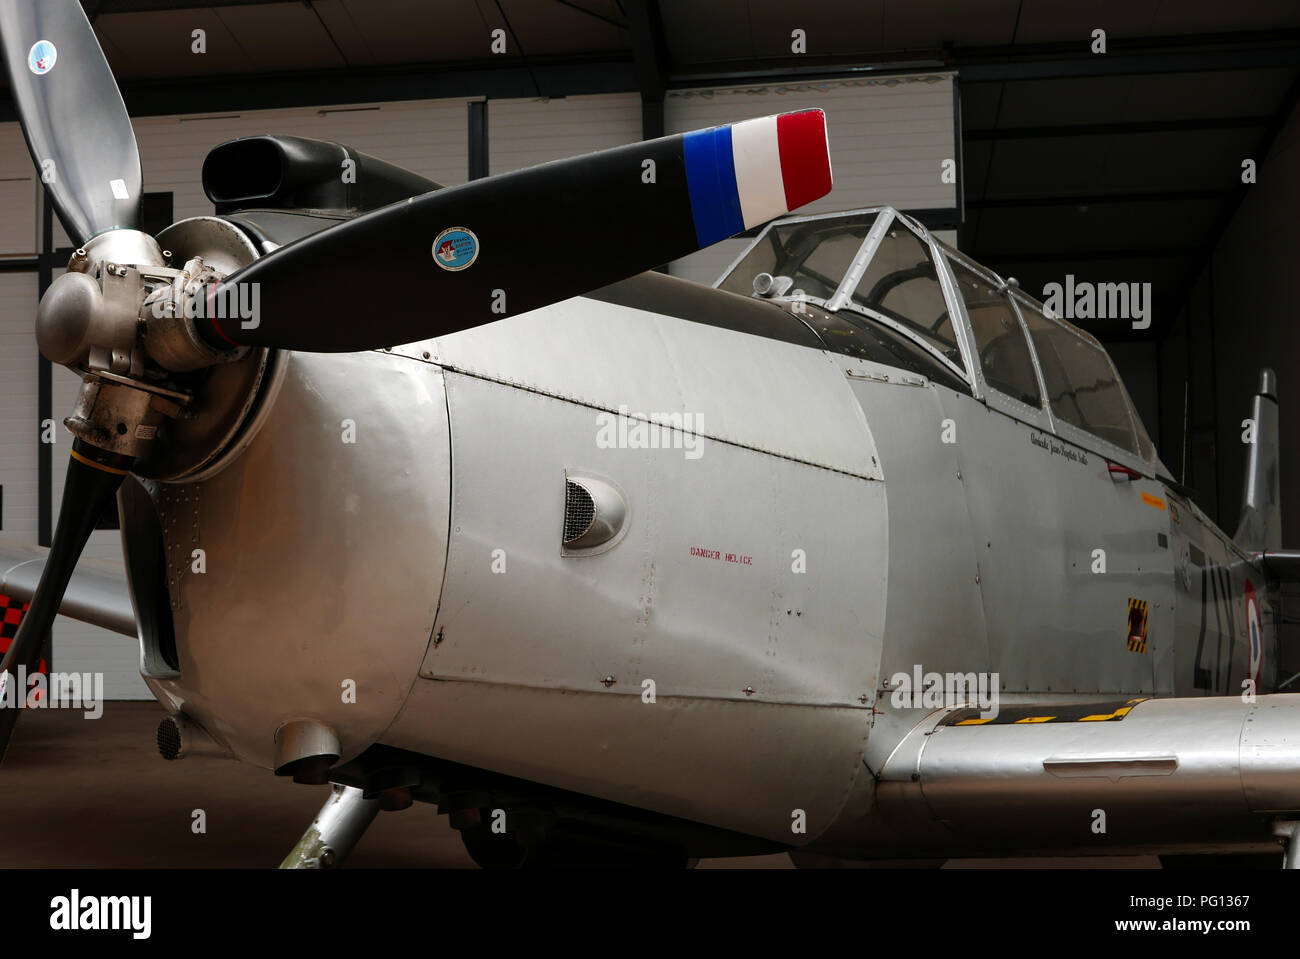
<point x="98" y="593"/>
<point x="1130" y="776"/>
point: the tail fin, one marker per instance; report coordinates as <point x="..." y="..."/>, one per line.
<point x="1260" y="526"/>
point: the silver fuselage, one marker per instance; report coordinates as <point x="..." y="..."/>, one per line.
<point x="838" y="540"/>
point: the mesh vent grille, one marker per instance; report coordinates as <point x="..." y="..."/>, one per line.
<point x="579" y="511"/>
<point x="169" y="738"/>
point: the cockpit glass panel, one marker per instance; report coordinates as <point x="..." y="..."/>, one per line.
<point x="1081" y="384"/>
<point x="867" y="338"/>
<point x="814" y="255"/>
<point x="901" y="283"/>
<point x="1146" y="448"/>
<point x="1004" y="355"/>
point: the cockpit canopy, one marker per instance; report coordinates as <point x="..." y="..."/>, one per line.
<point x="899" y="297"/>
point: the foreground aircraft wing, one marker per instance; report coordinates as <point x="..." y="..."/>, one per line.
<point x="1127" y="776"/>
<point x="97" y="594"/>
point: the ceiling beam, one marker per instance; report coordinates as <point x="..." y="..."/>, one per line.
<point x="809" y="69"/>
<point x="231" y="94"/>
<point x="101" y="7"/>
<point x="1086" y="256"/>
<point x="1197" y="53"/>
<point x="650" y="59"/>
<point x="591" y="13"/>
<point x="1099" y="199"/>
<point x="1119" y="129"/>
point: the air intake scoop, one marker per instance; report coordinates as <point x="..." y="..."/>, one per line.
<point x="295" y="173"/>
<point x="595" y="513"/>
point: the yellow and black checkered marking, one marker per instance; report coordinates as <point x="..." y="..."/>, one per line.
<point x="1137" y="625"/>
<point x="1031" y="714"/>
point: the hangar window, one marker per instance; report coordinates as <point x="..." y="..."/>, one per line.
<point x="901" y="283"/>
<point x="1082" y="386"/>
<point x="814" y="254"/>
<point x="1004" y="355"/>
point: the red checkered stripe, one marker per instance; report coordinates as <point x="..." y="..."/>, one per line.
<point x="11" y="614"/>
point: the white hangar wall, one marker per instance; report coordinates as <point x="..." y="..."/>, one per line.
<point x="525" y="133"/>
<point x="18" y="406"/>
<point x="889" y="137"/>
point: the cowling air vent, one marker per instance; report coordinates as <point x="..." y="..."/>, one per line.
<point x="295" y="173"/>
<point x="579" y="512"/>
<point x="594" y="513"/>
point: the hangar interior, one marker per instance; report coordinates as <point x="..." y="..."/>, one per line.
<point x="1167" y="159"/>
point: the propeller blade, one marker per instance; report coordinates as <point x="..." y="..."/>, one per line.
<point x="500" y="246"/>
<point x="72" y="115"/>
<point x="94" y="476"/>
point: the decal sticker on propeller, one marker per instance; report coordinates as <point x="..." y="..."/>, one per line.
<point x="455" y="248"/>
<point x="41" y="57"/>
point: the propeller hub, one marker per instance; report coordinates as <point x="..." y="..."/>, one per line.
<point x="71" y="319"/>
<point x="89" y="315"/>
<point x="116" y="246"/>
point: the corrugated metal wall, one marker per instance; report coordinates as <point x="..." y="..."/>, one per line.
<point x="527" y="132"/>
<point x="19" y="431"/>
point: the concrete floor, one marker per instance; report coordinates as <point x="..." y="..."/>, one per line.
<point x="96" y="794"/>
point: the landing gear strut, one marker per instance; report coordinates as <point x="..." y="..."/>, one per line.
<point x="1289" y="833"/>
<point x="335" y="830"/>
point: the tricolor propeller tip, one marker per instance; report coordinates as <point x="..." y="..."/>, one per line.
<point x="746" y="173"/>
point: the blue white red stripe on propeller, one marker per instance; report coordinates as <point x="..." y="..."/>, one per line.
<point x="746" y="173"/>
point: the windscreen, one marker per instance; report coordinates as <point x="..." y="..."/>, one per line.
<point x="815" y="255"/>
<point x="901" y="283"/>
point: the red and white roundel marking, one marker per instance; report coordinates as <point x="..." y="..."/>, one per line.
<point x="1254" y="633"/>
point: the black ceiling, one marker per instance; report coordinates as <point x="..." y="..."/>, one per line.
<point x="1119" y="167"/>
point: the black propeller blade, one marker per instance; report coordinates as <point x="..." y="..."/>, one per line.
<point x="72" y="115"/>
<point x="94" y="476"/>
<point x="496" y="247"/>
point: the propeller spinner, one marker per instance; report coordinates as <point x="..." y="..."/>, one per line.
<point x="137" y="329"/>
